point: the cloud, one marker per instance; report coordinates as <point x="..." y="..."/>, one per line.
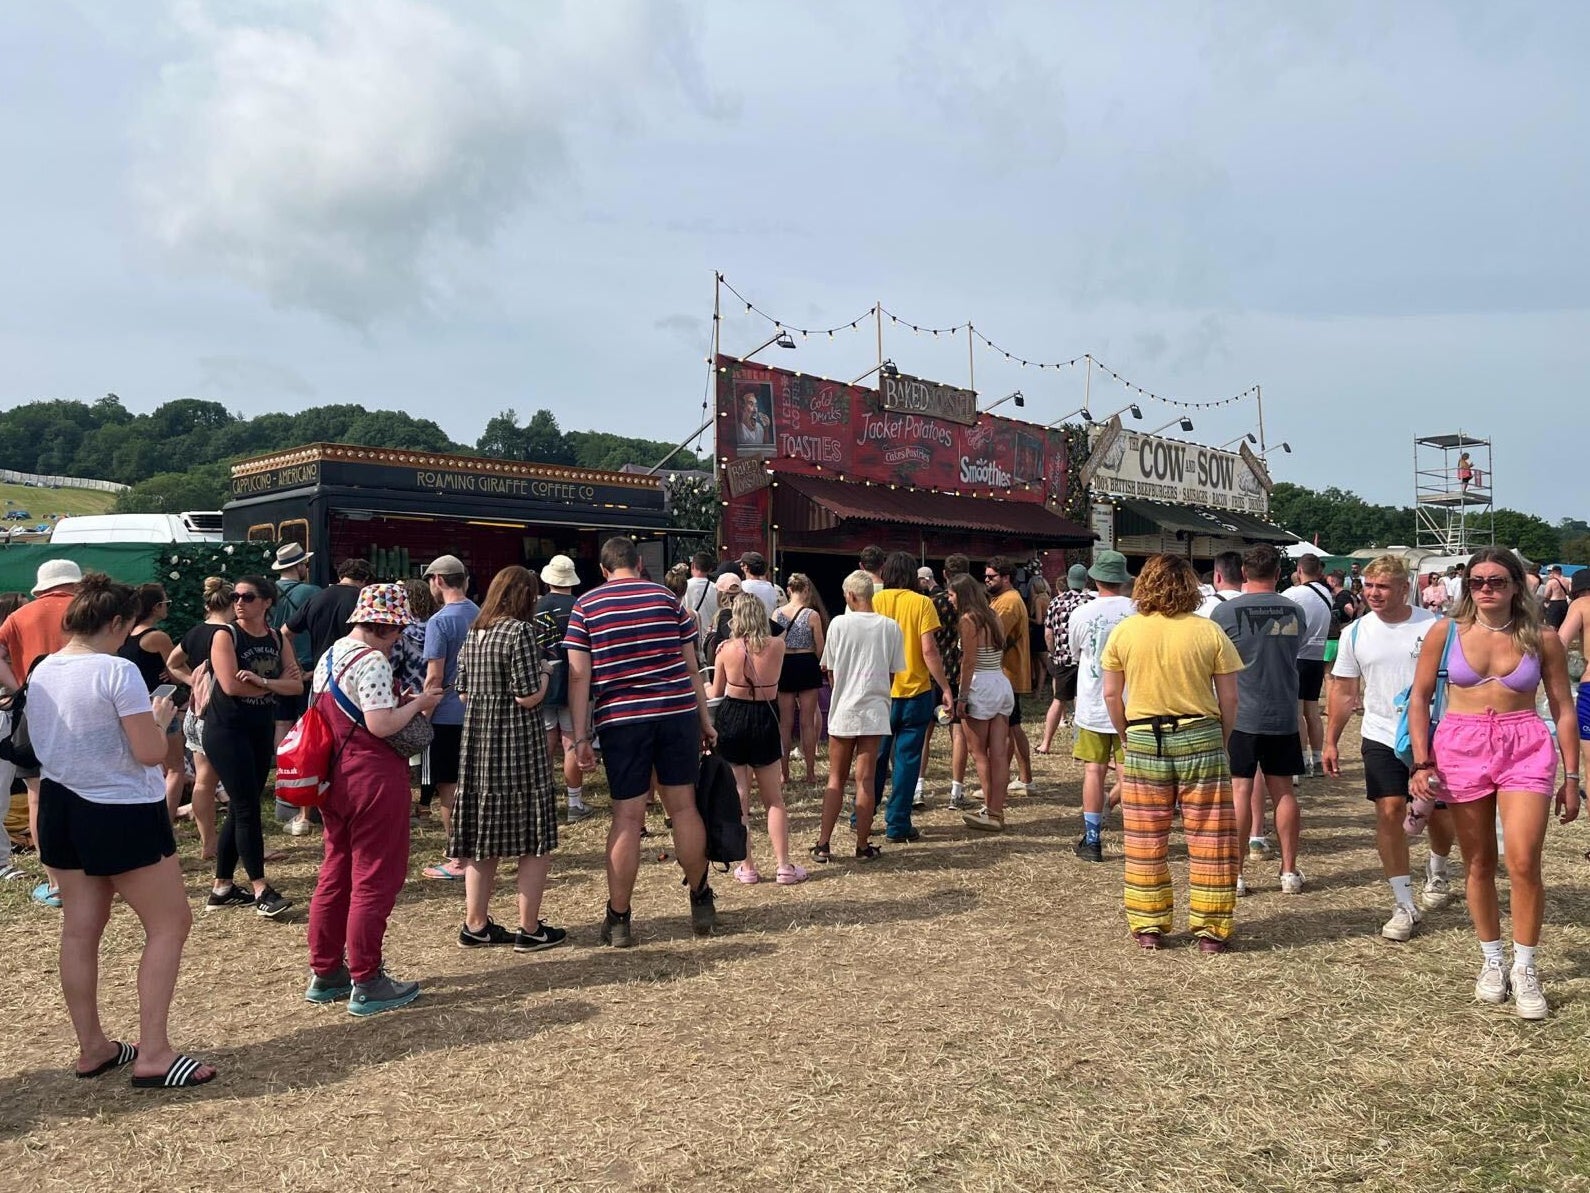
<point x="336" y="157"/>
<point x="251" y="377"/>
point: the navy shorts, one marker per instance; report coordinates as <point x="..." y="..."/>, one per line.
<point x="633" y="750"/>
<point x="1279" y="754"/>
<point x="101" y="840"/>
<point x="445" y="749"/>
<point x="1310" y="679"/>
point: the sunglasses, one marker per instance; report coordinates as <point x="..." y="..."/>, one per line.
<point x="248" y="598"/>
<point x="990" y="575"/>
<point x="1496" y="583"/>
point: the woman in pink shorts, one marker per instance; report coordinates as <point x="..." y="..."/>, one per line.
<point x="1492" y="752"/>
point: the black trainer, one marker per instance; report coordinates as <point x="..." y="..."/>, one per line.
<point x="616" y="930"/>
<point x="236" y="897"/>
<point x="544" y="937"/>
<point x="703" y="911"/>
<point x="492" y="933"/>
<point x="270" y="903"/>
<point x="1090" y="851"/>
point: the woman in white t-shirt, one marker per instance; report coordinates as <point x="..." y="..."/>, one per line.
<point x="104" y="829"/>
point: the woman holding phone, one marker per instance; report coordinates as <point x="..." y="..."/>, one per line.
<point x="104" y="830"/>
<point x="251" y="669"/>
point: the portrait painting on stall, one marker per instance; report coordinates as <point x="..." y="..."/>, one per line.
<point x="753" y="418"/>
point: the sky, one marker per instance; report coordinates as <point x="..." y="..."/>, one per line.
<point x="1376" y="212"/>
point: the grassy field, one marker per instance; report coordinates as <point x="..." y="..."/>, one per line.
<point x="966" y="1013"/>
<point x="41" y="503"/>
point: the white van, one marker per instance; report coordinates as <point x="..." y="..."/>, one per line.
<point x="194" y="526"/>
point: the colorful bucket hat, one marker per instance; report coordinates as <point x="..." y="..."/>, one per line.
<point x="382" y="604"/>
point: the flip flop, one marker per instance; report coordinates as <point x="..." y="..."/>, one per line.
<point x="441" y="872"/>
<point x="179" y="1076"/>
<point x="276" y="855"/>
<point x="47" y="896"/>
<point x="125" y="1055"/>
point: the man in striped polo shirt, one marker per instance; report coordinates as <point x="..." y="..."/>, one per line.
<point x="631" y="649"/>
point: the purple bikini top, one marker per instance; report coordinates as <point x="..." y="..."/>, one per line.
<point x="1524" y="678"/>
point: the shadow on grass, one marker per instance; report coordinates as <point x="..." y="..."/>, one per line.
<point x="460" y="1009"/>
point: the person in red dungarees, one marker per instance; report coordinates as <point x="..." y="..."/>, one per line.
<point x="366" y="810"/>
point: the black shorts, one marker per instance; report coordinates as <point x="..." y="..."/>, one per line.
<point x="290" y="708"/>
<point x="445" y="749"/>
<point x="1065" y="681"/>
<point x="800" y="674"/>
<point x="101" y="840"/>
<point x="748" y="733"/>
<point x="1555" y="613"/>
<point x="633" y="750"/>
<point x="1310" y="679"/>
<point x="1279" y="754"/>
<point x="1385" y="776"/>
<point x="1015" y="712"/>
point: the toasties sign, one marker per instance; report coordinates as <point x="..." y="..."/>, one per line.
<point x="1155" y="469"/>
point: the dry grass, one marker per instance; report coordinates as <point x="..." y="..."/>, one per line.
<point x="967" y="1013"/>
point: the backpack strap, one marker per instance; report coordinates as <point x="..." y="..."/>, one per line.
<point x="351" y="710"/>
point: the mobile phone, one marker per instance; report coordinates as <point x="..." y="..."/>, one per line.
<point x="164" y="692"/>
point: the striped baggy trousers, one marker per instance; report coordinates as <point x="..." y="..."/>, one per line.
<point x="1186" y="766"/>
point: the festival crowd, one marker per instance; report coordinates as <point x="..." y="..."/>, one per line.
<point x="1211" y="700"/>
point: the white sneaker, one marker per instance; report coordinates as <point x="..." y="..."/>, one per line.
<point x="1242" y="887"/>
<point x="1437" y="892"/>
<point x="918" y="801"/>
<point x="299" y="826"/>
<point x="1402" y="923"/>
<point x="1529" y="1000"/>
<point x="1018" y="788"/>
<point x="1258" y="848"/>
<point x="1492" y="985"/>
<point x="1292" y="883"/>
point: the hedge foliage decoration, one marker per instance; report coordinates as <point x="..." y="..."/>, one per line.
<point x="693" y="504"/>
<point x="183" y="567"/>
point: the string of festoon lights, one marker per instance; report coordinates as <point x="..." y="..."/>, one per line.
<point x="983" y="491"/>
<point x="878" y="310"/>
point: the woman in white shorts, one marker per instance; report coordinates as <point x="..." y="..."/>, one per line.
<point x="985" y="701"/>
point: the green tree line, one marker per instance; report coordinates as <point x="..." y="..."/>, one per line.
<point x="1346" y="522"/>
<point x="179" y="456"/>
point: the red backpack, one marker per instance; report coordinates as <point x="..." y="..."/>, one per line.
<point x="309" y="752"/>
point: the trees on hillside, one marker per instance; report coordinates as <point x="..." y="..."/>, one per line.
<point x="1346" y="522"/>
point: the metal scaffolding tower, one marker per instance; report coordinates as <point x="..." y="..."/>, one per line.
<point x="1452" y="493"/>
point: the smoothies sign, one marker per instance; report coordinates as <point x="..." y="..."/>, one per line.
<point x="1154" y="469"/>
<point x="918" y="433"/>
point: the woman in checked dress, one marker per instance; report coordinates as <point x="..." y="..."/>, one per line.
<point x="507" y="805"/>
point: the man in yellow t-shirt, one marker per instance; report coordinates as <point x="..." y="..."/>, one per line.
<point x="999" y="578"/>
<point x="1170" y="684"/>
<point x="911" y="698"/>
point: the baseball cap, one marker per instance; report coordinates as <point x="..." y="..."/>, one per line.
<point x="447" y="565"/>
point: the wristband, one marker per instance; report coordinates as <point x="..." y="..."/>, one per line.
<point x="1419" y="766"/>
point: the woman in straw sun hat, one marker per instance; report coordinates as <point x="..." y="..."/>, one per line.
<point x="366" y="810"/>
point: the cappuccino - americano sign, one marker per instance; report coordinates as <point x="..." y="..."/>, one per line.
<point x="1155" y="469"/>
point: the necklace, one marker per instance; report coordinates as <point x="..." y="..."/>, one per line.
<point x="1495" y="629"/>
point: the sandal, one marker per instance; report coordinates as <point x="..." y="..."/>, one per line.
<point x="1147" y="941"/>
<point x="821" y="853"/>
<point x="1419" y="813"/>
<point x="275" y="855"/>
<point x="179" y="1076"/>
<point x="125" y="1054"/>
<point x="867" y="853"/>
<point x="441" y="870"/>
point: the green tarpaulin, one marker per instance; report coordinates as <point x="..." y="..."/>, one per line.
<point x="131" y="563"/>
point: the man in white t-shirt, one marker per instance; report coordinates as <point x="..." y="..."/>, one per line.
<point x="756" y="581"/>
<point x="1311" y="594"/>
<point x="701" y="595"/>
<point x="1227" y="578"/>
<point x="862" y="653"/>
<point x="1453" y="584"/>
<point x="1096" y="744"/>
<point x="1382" y="648"/>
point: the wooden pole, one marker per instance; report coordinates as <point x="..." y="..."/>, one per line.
<point x="1258" y="395"/>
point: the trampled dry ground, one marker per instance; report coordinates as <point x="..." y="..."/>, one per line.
<point x="966" y="1013"/>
